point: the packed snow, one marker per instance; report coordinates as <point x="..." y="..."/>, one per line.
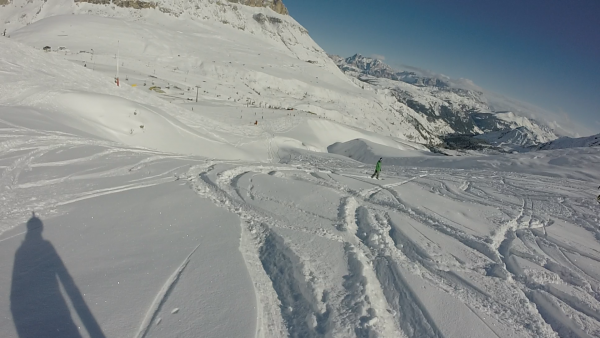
<point x="129" y="212"/>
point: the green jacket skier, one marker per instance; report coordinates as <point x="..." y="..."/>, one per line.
<point x="377" y="169"/>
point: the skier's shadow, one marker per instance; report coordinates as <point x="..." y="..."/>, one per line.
<point x="37" y="304"/>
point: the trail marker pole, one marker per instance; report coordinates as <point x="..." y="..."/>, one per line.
<point x="117" y="63"/>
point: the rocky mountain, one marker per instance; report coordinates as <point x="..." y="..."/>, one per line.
<point x="517" y="139"/>
<point x="570" y="142"/>
<point x="530" y="132"/>
<point x="378" y="69"/>
<point x="454" y="109"/>
<point x="276" y="65"/>
<point x="286" y="68"/>
<point x="276" y="5"/>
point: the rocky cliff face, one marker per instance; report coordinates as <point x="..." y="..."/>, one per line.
<point x="135" y="4"/>
<point x="276" y="5"/>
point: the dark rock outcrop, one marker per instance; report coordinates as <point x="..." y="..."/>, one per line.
<point x="276" y="5"/>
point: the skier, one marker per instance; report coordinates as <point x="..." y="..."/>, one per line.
<point x="598" y="198"/>
<point x="377" y="169"/>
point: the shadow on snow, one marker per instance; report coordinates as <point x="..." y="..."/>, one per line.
<point x="37" y="304"/>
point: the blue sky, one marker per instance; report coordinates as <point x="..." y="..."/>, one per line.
<point x="545" y="52"/>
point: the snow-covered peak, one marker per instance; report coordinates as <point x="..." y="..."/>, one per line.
<point x="542" y="133"/>
<point x="569" y="142"/>
<point x="366" y="63"/>
<point x="449" y="107"/>
<point x="361" y="65"/>
<point x="517" y="139"/>
<point x="253" y="16"/>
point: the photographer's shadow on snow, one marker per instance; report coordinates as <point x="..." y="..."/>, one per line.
<point x="36" y="302"/>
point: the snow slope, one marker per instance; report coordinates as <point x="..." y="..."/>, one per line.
<point x="149" y="240"/>
<point x="577" y="164"/>
<point x="204" y="224"/>
<point x="87" y="101"/>
<point x="518" y="139"/>
<point x="568" y="142"/>
<point x="239" y="56"/>
<point x="369" y="152"/>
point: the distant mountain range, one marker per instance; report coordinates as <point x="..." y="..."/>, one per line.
<point x="377" y="68"/>
<point x="569" y="142"/>
<point x="449" y="109"/>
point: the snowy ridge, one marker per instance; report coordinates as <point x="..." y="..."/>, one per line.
<point x="568" y="142"/>
<point x="448" y="107"/>
<point x="368" y="152"/>
<point x="519" y="138"/>
<point x="540" y="134"/>
<point x="377" y="68"/>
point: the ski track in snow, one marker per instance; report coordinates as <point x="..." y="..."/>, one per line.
<point x="384" y="236"/>
<point x="332" y="253"/>
<point x="16" y="192"/>
<point x="378" y="253"/>
<point x="162" y="295"/>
